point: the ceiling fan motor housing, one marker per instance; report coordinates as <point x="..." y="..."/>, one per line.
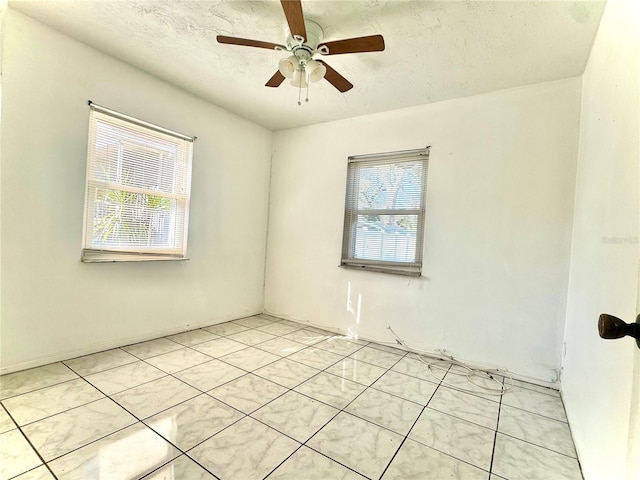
<point x="305" y="49"/>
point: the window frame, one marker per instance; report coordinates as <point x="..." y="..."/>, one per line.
<point x="94" y="254"/>
<point x="351" y="213"/>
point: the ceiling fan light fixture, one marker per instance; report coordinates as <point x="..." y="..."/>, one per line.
<point x="315" y="70"/>
<point x="288" y="66"/>
<point x="299" y="79"/>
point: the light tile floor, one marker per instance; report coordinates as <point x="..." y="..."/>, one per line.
<point x="261" y="397"/>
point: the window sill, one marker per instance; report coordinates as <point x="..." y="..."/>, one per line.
<point x="405" y="270"/>
<point x="104" y="256"/>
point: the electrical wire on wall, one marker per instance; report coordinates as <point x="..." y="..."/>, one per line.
<point x="472" y="375"/>
<point x="483" y="379"/>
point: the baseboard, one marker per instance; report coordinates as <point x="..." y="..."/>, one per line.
<point x="101" y="347"/>
<point x="522" y="376"/>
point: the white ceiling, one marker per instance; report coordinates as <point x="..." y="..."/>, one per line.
<point x="434" y="50"/>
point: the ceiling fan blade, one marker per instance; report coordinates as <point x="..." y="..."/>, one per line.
<point x="372" y="43"/>
<point x="276" y="80"/>
<point x="295" y="17"/>
<point x="335" y="79"/>
<point x="248" y="43"/>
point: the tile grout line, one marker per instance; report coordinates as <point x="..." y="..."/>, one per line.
<point x="495" y="436"/>
<point x="414" y="423"/>
<point x="253" y="411"/>
<point x="35" y="450"/>
<point x="304" y="444"/>
<point x="139" y="421"/>
<point x="299" y="393"/>
<point x="348" y="413"/>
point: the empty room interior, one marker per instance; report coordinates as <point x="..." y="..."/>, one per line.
<point x="318" y="240"/>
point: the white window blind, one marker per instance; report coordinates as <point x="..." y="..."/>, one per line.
<point x="384" y="212"/>
<point x="138" y="187"/>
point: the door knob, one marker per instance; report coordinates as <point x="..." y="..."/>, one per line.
<point x="611" y="327"/>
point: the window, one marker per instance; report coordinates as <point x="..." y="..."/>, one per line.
<point x="138" y="185"/>
<point x="384" y="213"/>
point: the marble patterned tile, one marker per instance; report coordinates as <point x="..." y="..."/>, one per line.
<point x="281" y="346"/>
<point x="48" y="401"/>
<point x="251" y="337"/>
<point x="535" y="402"/>
<point x="271" y="318"/>
<point x="6" y="423"/>
<point x="193" y="421"/>
<point x="219" y="347"/>
<point x="466" y="406"/>
<point x="332" y="390"/>
<point x="339" y="345"/>
<point x="210" y="375"/>
<point x="247" y="393"/>
<point x="40" y="473"/>
<point x="416" y="368"/>
<point x="64" y="432"/>
<point x="464" y="440"/>
<point x="405" y="386"/>
<point x="153" y="397"/>
<point x="228" y="455"/>
<point x="389" y="411"/>
<point x="479" y="384"/>
<point x="309" y="465"/>
<point x="181" y="468"/>
<point x="536" y="388"/>
<point x="178" y="360"/>
<point x="279" y="328"/>
<point x="542" y="431"/>
<point x="306" y="337"/>
<point x="250" y="358"/>
<point x="376" y="357"/>
<point x="129" y="453"/>
<point x="28" y="380"/>
<point x="356" y="443"/>
<point x="415" y="461"/>
<point x="356" y="371"/>
<point x="193" y="337"/>
<point x="16" y="455"/>
<point x="252" y="322"/>
<point x="316" y="357"/>
<point x="295" y="415"/>
<point x="100" y="361"/>
<point x="286" y="372"/>
<point x="152" y="348"/>
<point x="518" y="460"/>
<point x="227" y="328"/>
<point x="122" y="378"/>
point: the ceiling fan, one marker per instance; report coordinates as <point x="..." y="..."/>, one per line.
<point x="304" y="41"/>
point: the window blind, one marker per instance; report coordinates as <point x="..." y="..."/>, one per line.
<point x="138" y="187"/>
<point x="384" y="211"/>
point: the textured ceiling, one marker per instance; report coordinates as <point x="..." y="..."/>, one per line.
<point x="435" y="50"/>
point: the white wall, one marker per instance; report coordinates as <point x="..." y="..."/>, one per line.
<point x="498" y="227"/>
<point x="597" y="374"/>
<point x="50" y="308"/>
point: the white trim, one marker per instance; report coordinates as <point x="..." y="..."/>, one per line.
<point x="101" y="347"/>
<point x="142" y="123"/>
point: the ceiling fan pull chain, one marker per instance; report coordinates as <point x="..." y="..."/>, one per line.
<point x="299" y="91"/>
<point x="308" y="81"/>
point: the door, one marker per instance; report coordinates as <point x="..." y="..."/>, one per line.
<point x="633" y="453"/>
